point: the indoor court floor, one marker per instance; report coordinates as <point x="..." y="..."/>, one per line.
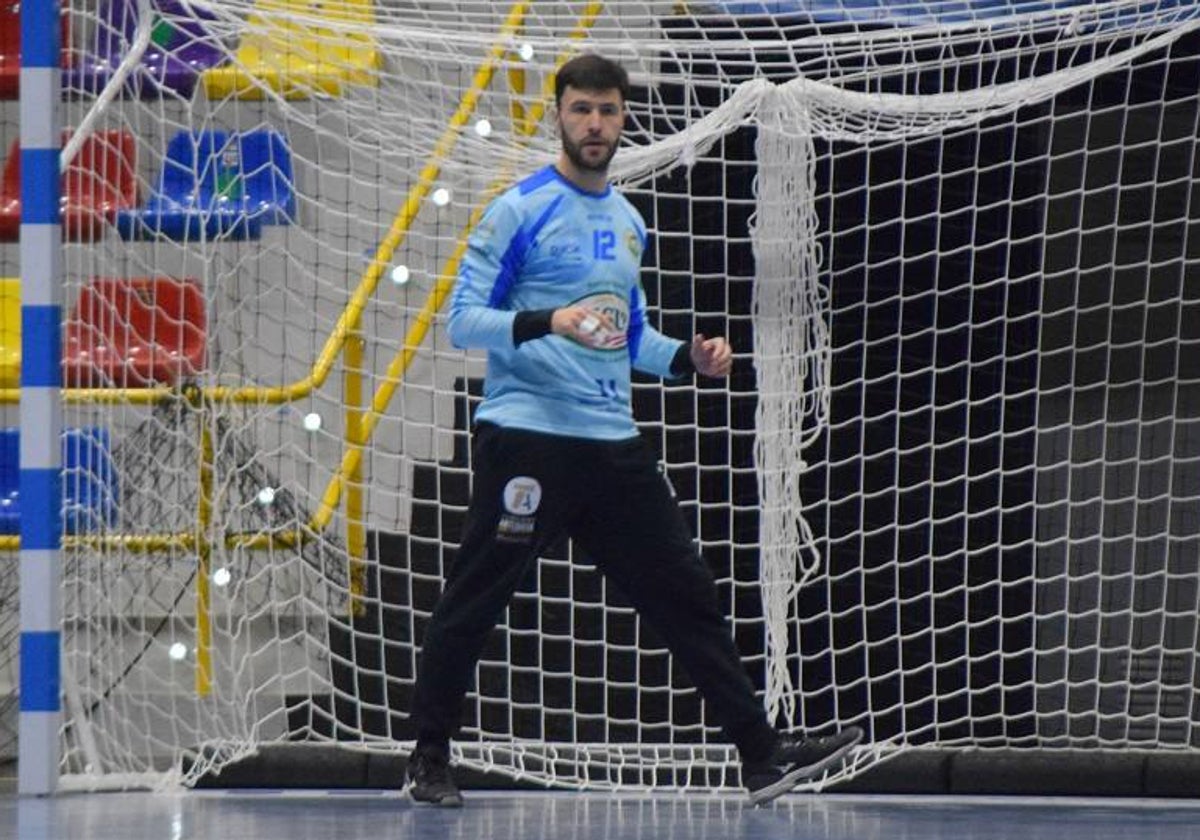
<point x="496" y="815"/>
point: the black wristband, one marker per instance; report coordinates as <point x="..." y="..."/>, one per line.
<point x="681" y="363"/>
<point x="530" y="324"/>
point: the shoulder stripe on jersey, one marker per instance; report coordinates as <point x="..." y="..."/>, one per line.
<point x="510" y="264"/>
<point x="545" y="217"/>
<point x="514" y="255"/>
<point x="540" y="178"/>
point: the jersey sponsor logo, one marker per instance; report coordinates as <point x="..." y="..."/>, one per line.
<point x="522" y="497"/>
<point x="565" y="248"/>
<point x="565" y="251"/>
<point x="634" y="243"/>
<point x="616" y="308"/>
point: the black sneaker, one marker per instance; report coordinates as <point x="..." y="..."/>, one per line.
<point x="429" y="779"/>
<point x="796" y="760"/>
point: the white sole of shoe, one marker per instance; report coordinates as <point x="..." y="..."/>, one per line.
<point x="798" y="774"/>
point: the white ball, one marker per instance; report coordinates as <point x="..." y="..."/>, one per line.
<point x="312" y="421"/>
<point x="266" y="496"/>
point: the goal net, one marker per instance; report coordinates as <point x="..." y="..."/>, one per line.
<point x="951" y="491"/>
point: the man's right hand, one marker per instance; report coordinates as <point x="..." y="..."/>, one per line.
<point x="587" y="326"/>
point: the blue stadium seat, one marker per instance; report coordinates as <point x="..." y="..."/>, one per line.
<point x="89" y="481"/>
<point x="217" y="185"/>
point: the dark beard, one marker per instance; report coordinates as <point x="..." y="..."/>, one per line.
<point x="574" y="152"/>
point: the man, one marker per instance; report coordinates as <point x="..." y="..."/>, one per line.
<point x="550" y="287"/>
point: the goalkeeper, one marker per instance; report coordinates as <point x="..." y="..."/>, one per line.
<point x="550" y="288"/>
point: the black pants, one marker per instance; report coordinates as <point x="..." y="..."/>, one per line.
<point x="611" y="499"/>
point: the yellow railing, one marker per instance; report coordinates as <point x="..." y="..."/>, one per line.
<point x="360" y="423"/>
<point x="403" y="358"/>
<point x="351" y="316"/>
<point x="204" y="563"/>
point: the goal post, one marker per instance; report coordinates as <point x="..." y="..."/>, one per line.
<point x="949" y="492"/>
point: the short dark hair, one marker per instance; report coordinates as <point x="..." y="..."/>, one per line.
<point x="591" y="72"/>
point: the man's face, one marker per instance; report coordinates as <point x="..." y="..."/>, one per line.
<point x="590" y="122"/>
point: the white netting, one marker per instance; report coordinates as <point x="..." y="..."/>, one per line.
<point x="950" y="491"/>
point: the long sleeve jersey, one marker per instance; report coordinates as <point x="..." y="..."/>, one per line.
<point x="542" y="245"/>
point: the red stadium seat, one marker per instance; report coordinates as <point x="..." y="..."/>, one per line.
<point x="101" y="179"/>
<point x="10" y="47"/>
<point x="133" y="333"/>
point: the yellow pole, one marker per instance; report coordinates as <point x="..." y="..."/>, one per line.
<point x="433" y="303"/>
<point x="516" y="100"/>
<point x="135" y="543"/>
<point x="108" y="396"/>
<point x="351" y="315"/>
<point x="400" y="363"/>
<point x="204" y="559"/>
<point x="356" y="532"/>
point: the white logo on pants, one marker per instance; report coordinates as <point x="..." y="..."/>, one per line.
<point x="522" y="495"/>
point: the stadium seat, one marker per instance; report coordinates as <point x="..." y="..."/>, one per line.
<point x="180" y="49"/>
<point x="10" y="332"/>
<point x="281" y="51"/>
<point x="101" y="179"/>
<point x="133" y="333"/>
<point x="10" y="47"/>
<point x="217" y="185"/>
<point x="89" y="481"/>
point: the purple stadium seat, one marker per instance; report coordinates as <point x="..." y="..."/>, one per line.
<point x="180" y="49"/>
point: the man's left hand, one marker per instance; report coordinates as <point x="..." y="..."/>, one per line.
<point x="711" y="356"/>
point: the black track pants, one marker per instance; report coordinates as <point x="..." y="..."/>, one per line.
<point x="611" y="499"/>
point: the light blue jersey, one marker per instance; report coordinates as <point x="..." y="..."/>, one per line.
<point x="546" y="244"/>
